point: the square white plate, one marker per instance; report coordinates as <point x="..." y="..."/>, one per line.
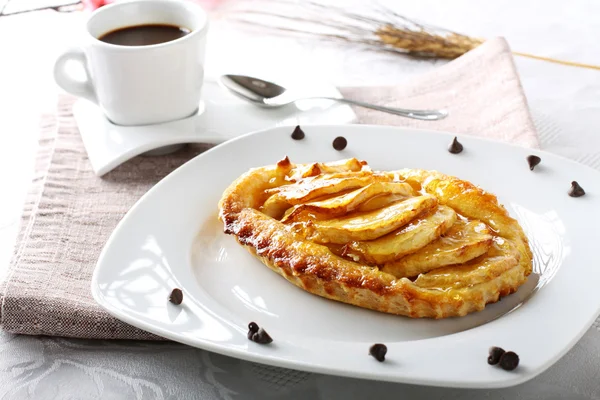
<point x="171" y="238"/>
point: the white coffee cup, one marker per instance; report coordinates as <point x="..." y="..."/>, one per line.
<point x="139" y="85"/>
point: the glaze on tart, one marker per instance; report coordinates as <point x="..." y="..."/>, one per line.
<point x="409" y="242"/>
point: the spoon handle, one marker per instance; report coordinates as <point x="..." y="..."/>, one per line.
<point x="426" y="115"/>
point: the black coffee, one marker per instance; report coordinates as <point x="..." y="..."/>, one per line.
<point x="144" y="35"/>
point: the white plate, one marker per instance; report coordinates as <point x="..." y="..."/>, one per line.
<point x="221" y="116"/>
<point x="171" y="238"/>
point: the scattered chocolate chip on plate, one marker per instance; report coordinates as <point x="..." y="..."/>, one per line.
<point x="455" y="147"/>
<point x="176" y="296"/>
<point x="378" y="351"/>
<point x="495" y="354"/>
<point x="261" y="337"/>
<point x="509" y="361"/>
<point x="533" y="161"/>
<point x="576" y="190"/>
<point x="252" y="329"/>
<point x="340" y="143"/>
<point x="298" y="133"/>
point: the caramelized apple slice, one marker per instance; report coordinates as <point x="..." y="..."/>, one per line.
<point x="407" y="240"/>
<point x="314" y="169"/>
<point x="381" y="201"/>
<point x="311" y="188"/>
<point x="468" y="199"/>
<point x="463" y="242"/>
<point x="348" y="202"/>
<point x="501" y="257"/>
<point x="370" y="225"/>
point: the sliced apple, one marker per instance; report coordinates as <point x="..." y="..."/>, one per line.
<point x="314" y="169"/>
<point x="346" y="203"/>
<point x="464" y="241"/>
<point x="501" y="257"/>
<point x="381" y="201"/>
<point x="370" y="225"/>
<point x="311" y="188"/>
<point x="414" y="236"/>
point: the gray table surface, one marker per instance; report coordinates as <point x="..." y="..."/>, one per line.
<point x="565" y="103"/>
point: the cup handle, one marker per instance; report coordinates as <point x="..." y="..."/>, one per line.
<point x="83" y="89"/>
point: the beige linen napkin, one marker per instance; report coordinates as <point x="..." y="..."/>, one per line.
<point x="481" y="90"/>
<point x="69" y="212"/>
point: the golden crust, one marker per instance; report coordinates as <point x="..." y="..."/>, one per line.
<point x="330" y="273"/>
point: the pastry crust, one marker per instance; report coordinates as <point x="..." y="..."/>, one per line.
<point x="332" y="271"/>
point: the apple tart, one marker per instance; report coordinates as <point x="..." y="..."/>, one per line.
<point x="409" y="242"/>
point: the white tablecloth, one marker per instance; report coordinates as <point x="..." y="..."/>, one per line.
<point x="565" y="103"/>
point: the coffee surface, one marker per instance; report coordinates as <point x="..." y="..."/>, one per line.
<point x="144" y="35"/>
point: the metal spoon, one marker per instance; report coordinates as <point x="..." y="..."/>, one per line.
<point x="270" y="95"/>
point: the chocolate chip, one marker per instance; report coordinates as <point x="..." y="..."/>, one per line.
<point x="252" y="329"/>
<point x="576" y="190"/>
<point x="378" y="351"/>
<point x="495" y="354"/>
<point x="533" y="161"/>
<point x="455" y="147"/>
<point x="176" y="296"/>
<point x="261" y="337"/>
<point x="509" y="361"/>
<point x="340" y="143"/>
<point x="298" y="133"/>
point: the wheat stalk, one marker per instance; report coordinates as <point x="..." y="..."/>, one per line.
<point x="379" y="28"/>
<point x="424" y="44"/>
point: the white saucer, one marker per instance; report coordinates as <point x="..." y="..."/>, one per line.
<point x="221" y="116"/>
